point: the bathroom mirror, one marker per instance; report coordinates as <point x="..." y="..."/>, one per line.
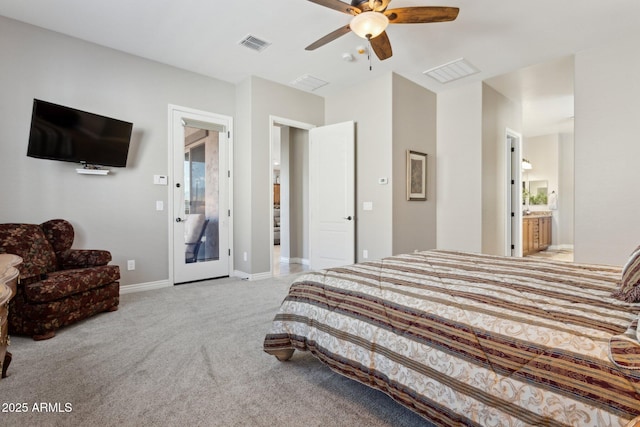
<point x="538" y="192"/>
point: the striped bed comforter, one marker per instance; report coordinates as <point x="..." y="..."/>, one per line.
<point x="470" y="339"/>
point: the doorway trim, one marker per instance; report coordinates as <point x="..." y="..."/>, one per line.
<point x="513" y="169"/>
<point x="278" y="121"/>
<point x="228" y="120"/>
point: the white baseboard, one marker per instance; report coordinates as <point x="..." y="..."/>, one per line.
<point x="260" y="276"/>
<point x="141" y="287"/>
<point x="160" y="284"/>
<point x="247" y="276"/>
<point x="241" y="274"/>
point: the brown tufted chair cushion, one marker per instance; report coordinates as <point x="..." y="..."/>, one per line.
<point x="59" y="233"/>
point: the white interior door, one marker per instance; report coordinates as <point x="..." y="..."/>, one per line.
<point x="332" y="195"/>
<point x="200" y="184"/>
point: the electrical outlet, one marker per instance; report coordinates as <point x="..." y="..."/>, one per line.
<point x="131" y="264"/>
<point x="244" y="256"/>
<point x="365" y="254"/>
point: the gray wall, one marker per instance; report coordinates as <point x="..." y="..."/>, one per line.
<point x="372" y="112"/>
<point x="299" y="193"/>
<point x="282" y="132"/>
<point x="114" y="212"/>
<point x="459" y="183"/>
<point x="414" y="128"/>
<point x="257" y="100"/>
<point x="607" y="104"/>
<point x="404" y="118"/>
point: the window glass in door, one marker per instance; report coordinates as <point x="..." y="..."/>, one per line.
<point x="201" y="195"/>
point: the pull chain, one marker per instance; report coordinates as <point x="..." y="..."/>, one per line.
<point x="369" y="53"/>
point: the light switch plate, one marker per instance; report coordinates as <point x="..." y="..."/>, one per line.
<point x="160" y="179"/>
<point x="367" y="206"/>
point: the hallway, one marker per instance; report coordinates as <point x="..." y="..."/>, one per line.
<point x="285" y="268"/>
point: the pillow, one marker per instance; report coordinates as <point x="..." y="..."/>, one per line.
<point x="629" y="290"/>
<point x="624" y="349"/>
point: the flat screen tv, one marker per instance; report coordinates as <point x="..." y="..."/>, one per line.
<point x="63" y="133"/>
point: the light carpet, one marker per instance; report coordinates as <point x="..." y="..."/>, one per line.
<point x="186" y="355"/>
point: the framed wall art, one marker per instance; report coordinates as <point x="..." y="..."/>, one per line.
<point x="416" y="175"/>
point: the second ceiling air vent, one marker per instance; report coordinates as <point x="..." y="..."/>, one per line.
<point x="309" y="82"/>
<point x="451" y="71"/>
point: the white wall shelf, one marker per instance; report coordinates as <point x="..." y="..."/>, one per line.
<point x="92" y="171"/>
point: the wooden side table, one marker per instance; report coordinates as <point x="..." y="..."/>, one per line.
<point x="8" y="280"/>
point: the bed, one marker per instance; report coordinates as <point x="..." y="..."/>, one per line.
<point x="471" y="339"/>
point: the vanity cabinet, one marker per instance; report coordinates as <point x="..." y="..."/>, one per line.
<point x="536" y="233"/>
<point x="276" y="194"/>
<point x="544" y="233"/>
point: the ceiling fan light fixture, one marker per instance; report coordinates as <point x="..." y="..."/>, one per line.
<point x="369" y="25"/>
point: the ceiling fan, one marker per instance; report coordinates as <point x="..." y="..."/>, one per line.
<point x="371" y="17"/>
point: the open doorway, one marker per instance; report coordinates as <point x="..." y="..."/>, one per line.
<point x="545" y="94"/>
<point x="548" y="187"/>
<point x="289" y="175"/>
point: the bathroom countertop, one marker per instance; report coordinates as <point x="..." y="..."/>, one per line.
<point x="537" y="213"/>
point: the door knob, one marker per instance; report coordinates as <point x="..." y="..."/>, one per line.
<point x="178" y="219"/>
<point x="349" y="218"/>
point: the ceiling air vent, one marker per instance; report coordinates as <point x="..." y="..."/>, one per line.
<point x="451" y="71"/>
<point x="254" y="43"/>
<point x="309" y="82"/>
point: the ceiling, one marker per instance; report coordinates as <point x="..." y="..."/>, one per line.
<point x="496" y="36"/>
<point x="545" y="92"/>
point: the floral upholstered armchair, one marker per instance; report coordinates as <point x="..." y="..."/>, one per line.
<point x="57" y="285"/>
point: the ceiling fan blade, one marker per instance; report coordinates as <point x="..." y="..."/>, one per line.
<point x="421" y="14"/>
<point x="338" y="5"/>
<point x="381" y="46"/>
<point x="329" y="37"/>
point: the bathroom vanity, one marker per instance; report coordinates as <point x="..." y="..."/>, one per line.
<point x="536" y="232"/>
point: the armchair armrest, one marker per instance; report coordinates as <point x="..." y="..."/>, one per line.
<point x="82" y="258"/>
